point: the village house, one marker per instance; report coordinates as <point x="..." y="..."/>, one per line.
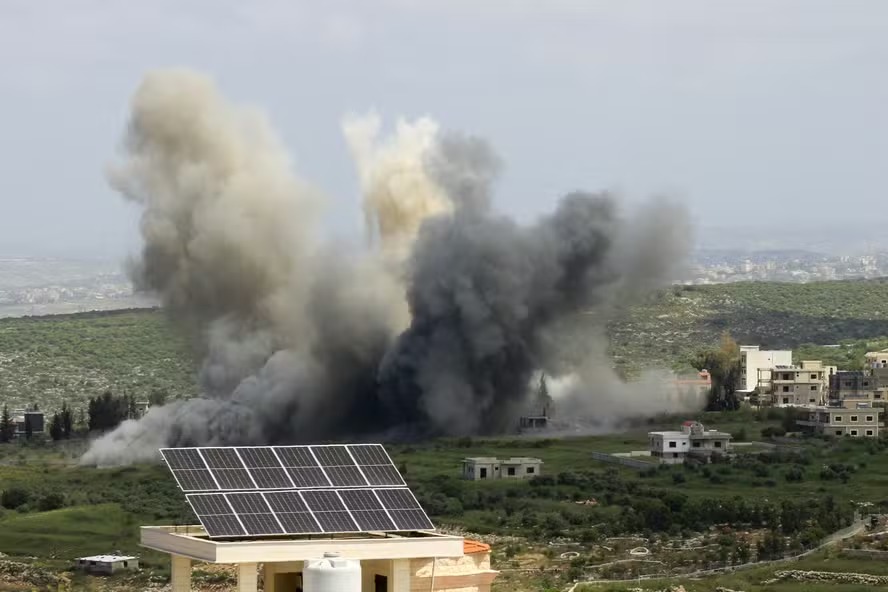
<point x="692" y="441"/>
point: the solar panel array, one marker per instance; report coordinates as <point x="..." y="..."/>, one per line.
<point x="317" y="511"/>
<point x="282" y="467"/>
<point x="283" y="490"/>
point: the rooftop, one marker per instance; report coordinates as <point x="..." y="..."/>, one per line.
<point x="106" y="558"/>
<point x="670" y="434"/>
<point x="193" y="542"/>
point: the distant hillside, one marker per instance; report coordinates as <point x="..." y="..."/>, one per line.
<point x="73" y="357"/>
<point x="676" y="322"/>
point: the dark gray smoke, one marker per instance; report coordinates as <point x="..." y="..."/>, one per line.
<point x="303" y="341"/>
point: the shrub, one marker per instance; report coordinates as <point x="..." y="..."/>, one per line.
<point x="794" y="475"/>
<point x="14" y="497"/>
<point x="51" y="501"/>
<point x="678" y="478"/>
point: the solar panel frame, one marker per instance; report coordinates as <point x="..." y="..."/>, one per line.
<point x="295" y="490"/>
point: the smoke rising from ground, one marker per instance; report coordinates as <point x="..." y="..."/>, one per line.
<point x="438" y="327"/>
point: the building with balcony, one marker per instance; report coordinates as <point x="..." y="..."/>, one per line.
<point x="802" y="385"/>
<point x="692" y="441"/>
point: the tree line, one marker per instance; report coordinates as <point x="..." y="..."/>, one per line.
<point x="103" y="412"/>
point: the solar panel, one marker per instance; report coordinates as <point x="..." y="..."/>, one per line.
<point x="295" y="490"/>
<point x="405" y="511"/>
<point x="339" y="466"/>
<point x="216" y="515"/>
<point x="376" y="465"/>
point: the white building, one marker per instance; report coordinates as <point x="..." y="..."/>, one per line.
<point x="107" y="564"/>
<point x="484" y="467"/>
<point x="755" y="367"/>
<point x="670" y="447"/>
<point x="674" y="447"/>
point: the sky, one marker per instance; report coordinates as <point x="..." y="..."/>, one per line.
<point x="755" y="113"/>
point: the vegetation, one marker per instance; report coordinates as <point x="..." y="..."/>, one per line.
<point x="673" y="325"/>
<point x="72" y="358"/>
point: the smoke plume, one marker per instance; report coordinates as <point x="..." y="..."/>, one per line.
<point x="439" y="326"/>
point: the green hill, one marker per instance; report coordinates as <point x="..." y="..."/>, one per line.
<point x="46" y="360"/>
<point x="73" y="357"/>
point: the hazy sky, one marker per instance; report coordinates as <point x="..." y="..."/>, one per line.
<point x="749" y="110"/>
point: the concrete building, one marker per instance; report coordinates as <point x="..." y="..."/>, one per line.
<point x="692" y="389"/>
<point x="389" y="562"/>
<point x="671" y="447"/>
<point x="755" y="366"/>
<point x="802" y="385"/>
<point x="861" y="421"/>
<point x="854" y="384"/>
<point x="693" y="441"/>
<point x="107" y="564"/>
<point x="481" y="467"/>
<point x="876" y="359"/>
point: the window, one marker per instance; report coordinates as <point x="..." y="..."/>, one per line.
<point x="877" y="396"/>
<point x="869" y="417"/>
<point x="718" y="444"/>
<point x="812" y="400"/>
<point x="786" y="377"/>
<point x="837" y="419"/>
<point x="696" y="444"/>
<point x="866" y="383"/>
<point x="838" y="432"/>
<point x="125" y="564"/>
<point x="813" y="387"/>
<point x="674" y="455"/>
<point x="786" y="400"/>
<point x="785" y="389"/>
<point x="672" y="445"/>
<point x="853" y="432"/>
<point x="854" y="418"/>
<point x="511" y="471"/>
<point x="869" y="432"/>
<point x="813" y="377"/>
<point x="483" y="473"/>
<point x="530" y="470"/>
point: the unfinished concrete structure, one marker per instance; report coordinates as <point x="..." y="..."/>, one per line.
<point x="484" y="467"/>
<point x="802" y="385"/>
<point x="755" y="367"/>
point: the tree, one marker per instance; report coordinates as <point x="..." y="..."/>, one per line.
<point x="67" y="421"/>
<point x="55" y="427"/>
<point x="29" y="428"/>
<point x="723" y="364"/>
<point x="7" y="427"/>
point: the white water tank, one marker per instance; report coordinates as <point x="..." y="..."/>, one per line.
<point x="332" y="574"/>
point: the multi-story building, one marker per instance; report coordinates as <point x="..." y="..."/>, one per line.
<point x="756" y="365"/>
<point x="852" y="384"/>
<point x="861" y="421"/>
<point x="805" y="384"/>
<point x="674" y="447"/>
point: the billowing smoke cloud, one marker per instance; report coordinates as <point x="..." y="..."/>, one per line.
<point x="398" y="191"/>
<point x="305" y="341"/>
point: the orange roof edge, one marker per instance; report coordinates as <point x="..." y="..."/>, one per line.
<point x="470" y="547"/>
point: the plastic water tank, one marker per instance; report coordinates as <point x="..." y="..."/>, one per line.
<point x="331" y="574"/>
